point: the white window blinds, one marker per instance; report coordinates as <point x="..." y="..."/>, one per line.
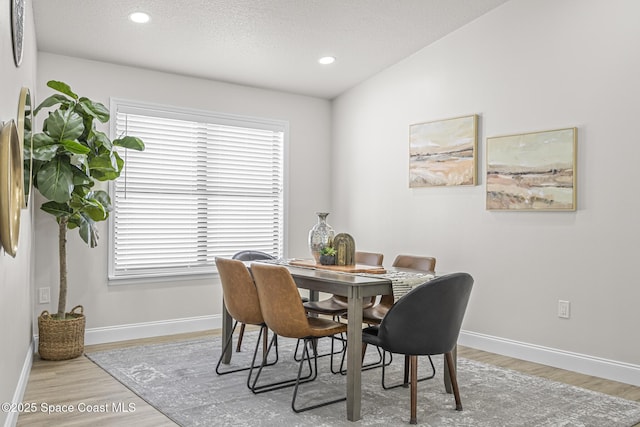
<point x="206" y="185"/>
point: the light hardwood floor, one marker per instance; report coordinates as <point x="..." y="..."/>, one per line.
<point x="84" y="385"/>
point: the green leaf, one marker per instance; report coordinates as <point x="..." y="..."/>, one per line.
<point x="56" y="209"/>
<point x="103" y="163"/>
<point x="102" y="167"/>
<point x="53" y="100"/>
<point x="44" y="147"/>
<point x="63" y="125"/>
<point x="94" y="109"/>
<point x="62" y="87"/>
<point x="41" y="139"/>
<point x="104" y="199"/>
<point x="45" y="153"/>
<point x="90" y="206"/>
<point x="75" y="147"/>
<point x="81" y="179"/>
<point x="131" y="142"/>
<point x="55" y="180"/>
<point x="100" y="139"/>
<point x="88" y="230"/>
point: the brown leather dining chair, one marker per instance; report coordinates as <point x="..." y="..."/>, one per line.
<point x="369" y="258"/>
<point x="425" y="321"/>
<point x="241" y="299"/>
<point x="336" y="305"/>
<point x="248" y="255"/>
<point x="285" y="315"/>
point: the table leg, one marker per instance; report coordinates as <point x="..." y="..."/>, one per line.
<point x="354" y="354"/>
<point x="447" y="377"/>
<point x="227" y="329"/>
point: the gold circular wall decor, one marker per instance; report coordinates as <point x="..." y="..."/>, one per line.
<point x="25" y="136"/>
<point x="11" y="183"/>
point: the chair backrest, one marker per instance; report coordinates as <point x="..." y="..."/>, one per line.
<point x="427" y="319"/>
<point x="424" y="263"/>
<point x="280" y="301"/>
<point x="251" y="255"/>
<point x="369" y="258"/>
<point x="239" y="291"/>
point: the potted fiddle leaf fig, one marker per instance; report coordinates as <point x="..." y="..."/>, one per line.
<point x="69" y="156"/>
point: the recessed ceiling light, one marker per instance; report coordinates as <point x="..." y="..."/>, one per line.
<point x="139" y="17"/>
<point x="326" y="60"/>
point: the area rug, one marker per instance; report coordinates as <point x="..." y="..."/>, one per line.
<point x="179" y="380"/>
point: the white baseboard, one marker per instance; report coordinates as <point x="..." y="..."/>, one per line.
<point x="152" y="329"/>
<point x="148" y="329"/>
<point x="589" y="365"/>
<point x="18" y="394"/>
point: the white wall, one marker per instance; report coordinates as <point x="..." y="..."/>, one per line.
<point x="308" y="153"/>
<point x="528" y="65"/>
<point x="15" y="273"/>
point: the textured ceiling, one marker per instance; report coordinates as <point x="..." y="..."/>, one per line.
<point x="271" y="44"/>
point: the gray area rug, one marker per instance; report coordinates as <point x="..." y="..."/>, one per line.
<point x="179" y="380"/>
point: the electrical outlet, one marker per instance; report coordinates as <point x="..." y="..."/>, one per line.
<point x="564" y="309"/>
<point x="44" y="295"/>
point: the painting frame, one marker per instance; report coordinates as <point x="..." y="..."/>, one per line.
<point x="444" y="153"/>
<point x="534" y="171"/>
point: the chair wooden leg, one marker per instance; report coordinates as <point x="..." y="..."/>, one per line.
<point x="406" y="370"/>
<point x="413" y="367"/>
<point x="240" y="335"/>
<point x="454" y="380"/>
<point x="265" y="342"/>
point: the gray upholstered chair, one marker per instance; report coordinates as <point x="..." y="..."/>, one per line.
<point x="373" y="315"/>
<point x="425" y="321"/>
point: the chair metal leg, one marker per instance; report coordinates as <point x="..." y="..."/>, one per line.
<point x="454" y="380"/>
<point x="228" y="343"/>
<point x="240" y="336"/>
<point x="257" y="389"/>
<point x="371" y="365"/>
<point x="305" y="355"/>
<point x="333" y="352"/>
<point x="413" y="367"/>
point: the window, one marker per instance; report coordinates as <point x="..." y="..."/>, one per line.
<point x="206" y="185"/>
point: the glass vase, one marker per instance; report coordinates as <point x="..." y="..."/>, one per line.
<point x="320" y="235"/>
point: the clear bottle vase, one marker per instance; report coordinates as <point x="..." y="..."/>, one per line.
<point x="320" y="235"/>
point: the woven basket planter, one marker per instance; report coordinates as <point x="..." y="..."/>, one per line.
<point x="61" y="339"/>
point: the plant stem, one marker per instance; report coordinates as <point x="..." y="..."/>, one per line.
<point x="62" y="249"/>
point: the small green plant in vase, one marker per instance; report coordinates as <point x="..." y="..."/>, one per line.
<point x="328" y="255"/>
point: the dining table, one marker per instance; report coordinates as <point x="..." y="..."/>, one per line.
<point x="355" y="287"/>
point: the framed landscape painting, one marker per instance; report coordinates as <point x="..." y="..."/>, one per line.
<point x="532" y="171"/>
<point x="443" y="152"/>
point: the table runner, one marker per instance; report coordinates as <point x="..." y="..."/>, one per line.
<point x="403" y="281"/>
